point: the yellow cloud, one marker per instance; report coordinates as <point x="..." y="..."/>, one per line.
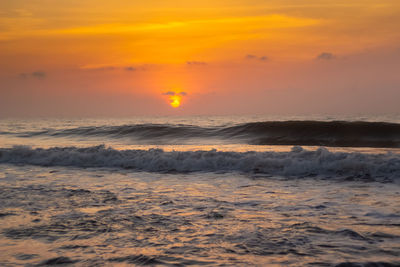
<point x="205" y="25"/>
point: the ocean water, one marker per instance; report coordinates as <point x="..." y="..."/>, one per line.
<point x="217" y="191"/>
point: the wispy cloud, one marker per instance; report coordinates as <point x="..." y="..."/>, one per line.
<point x="130" y="68"/>
<point x="326" y="56"/>
<point x="98" y="67"/>
<point x="196" y="63"/>
<point x="36" y="74"/>
<point x="254" y="57"/>
<point x="111" y="67"/>
<point x="172" y="93"/>
<point x="231" y="23"/>
<point x="169" y="93"/>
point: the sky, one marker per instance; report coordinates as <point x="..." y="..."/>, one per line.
<point x="170" y="57"/>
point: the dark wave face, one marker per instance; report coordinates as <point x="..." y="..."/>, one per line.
<point x="317" y="133"/>
<point x="312" y="133"/>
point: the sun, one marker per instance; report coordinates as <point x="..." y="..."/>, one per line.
<point x="175" y="101"/>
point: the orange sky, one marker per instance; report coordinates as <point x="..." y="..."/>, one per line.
<point x="75" y="58"/>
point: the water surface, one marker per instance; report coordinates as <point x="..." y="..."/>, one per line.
<point x="82" y="192"/>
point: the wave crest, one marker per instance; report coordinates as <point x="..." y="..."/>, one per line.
<point x="296" y="163"/>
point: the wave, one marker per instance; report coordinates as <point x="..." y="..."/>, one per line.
<point x="311" y="133"/>
<point x="296" y="163"/>
<point x="319" y="133"/>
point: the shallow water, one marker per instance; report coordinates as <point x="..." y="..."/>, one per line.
<point x="116" y="217"/>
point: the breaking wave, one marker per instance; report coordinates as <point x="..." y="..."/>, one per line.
<point x="311" y="133"/>
<point x="296" y="163"/>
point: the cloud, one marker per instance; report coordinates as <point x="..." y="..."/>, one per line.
<point x="254" y="57"/>
<point x="326" y="56"/>
<point x="36" y="74"/>
<point x="196" y="63"/>
<point x="98" y="67"/>
<point x="171" y="93"/>
<point x="250" y="56"/>
<point x="103" y="67"/>
<point x="130" y="68"/>
<point x="23" y="75"/>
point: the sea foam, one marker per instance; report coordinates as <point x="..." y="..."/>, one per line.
<point x="296" y="163"/>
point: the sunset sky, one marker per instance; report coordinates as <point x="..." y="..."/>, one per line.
<point x="128" y="57"/>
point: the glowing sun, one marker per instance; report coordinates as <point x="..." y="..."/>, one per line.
<point x="175" y="101"/>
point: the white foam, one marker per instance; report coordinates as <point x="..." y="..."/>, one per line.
<point x="298" y="162"/>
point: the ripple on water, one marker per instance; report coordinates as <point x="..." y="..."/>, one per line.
<point x="193" y="222"/>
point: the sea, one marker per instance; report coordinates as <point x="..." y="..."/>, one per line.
<point x="200" y="190"/>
